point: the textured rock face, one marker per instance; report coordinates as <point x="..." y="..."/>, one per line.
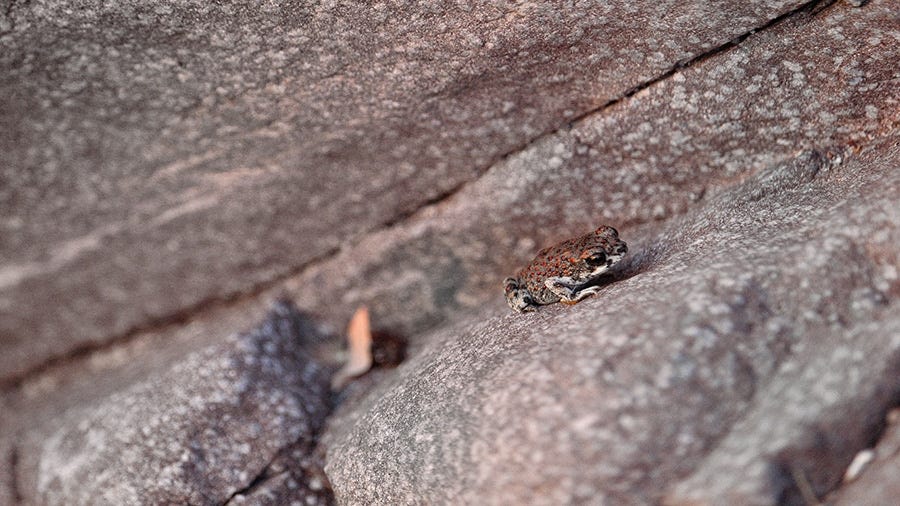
<point x="750" y="326"/>
<point x="647" y="158"/>
<point x="167" y="170"/>
<point x="181" y="154"/>
<point x="196" y="433"/>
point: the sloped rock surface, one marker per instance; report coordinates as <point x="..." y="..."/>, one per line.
<point x="176" y="154"/>
<point x="616" y="398"/>
<point x="195" y="433"/>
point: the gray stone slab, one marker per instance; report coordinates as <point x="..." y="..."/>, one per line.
<point x="808" y="423"/>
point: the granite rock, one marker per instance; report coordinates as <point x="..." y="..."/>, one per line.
<point x="166" y="170"/>
<point x="198" y="432"/>
<point x="157" y="157"/>
<point x="773" y="301"/>
<point x="800" y="436"/>
<point x="294" y="477"/>
<point x="648" y="158"/>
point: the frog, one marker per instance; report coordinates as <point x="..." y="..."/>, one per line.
<point x="566" y="272"/>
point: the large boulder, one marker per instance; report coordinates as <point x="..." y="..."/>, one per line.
<point x="166" y="170"/>
<point x="751" y="339"/>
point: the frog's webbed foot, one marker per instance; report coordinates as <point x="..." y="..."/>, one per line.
<point x="517" y="296"/>
<point x="562" y="287"/>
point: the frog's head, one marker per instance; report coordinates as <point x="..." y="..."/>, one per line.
<point x="614" y="247"/>
<point x="601" y="252"/>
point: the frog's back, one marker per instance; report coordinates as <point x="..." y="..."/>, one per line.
<point x="556" y="260"/>
<point x="565" y="259"/>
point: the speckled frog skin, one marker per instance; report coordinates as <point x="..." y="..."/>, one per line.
<point x="565" y="272"/>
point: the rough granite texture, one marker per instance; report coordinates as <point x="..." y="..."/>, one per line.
<point x="648" y="158"/>
<point x="616" y="398"/>
<point x="155" y="157"/>
<point x="168" y="170"/>
<point x="294" y="477"/>
<point x="196" y="433"/>
<point x="811" y="419"/>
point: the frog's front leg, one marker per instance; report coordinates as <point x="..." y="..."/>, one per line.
<point x="517" y="296"/>
<point x="567" y="290"/>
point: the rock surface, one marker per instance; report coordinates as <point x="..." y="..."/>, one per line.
<point x="877" y="483"/>
<point x="198" y="432"/>
<point x="648" y="158"/>
<point x="158" y="157"/>
<point x="168" y="170"/>
<point x="721" y="314"/>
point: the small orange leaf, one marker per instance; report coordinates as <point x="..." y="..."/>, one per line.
<point x="359" y="342"/>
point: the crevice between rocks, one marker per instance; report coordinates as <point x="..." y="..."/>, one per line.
<point x="186" y="314"/>
<point x="13" y="461"/>
<point x="180" y="317"/>
<point x="812" y="7"/>
<point x="283" y="463"/>
<point x="808" y="471"/>
<point x="433" y="201"/>
<point x="257" y="480"/>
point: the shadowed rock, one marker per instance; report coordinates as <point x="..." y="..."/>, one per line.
<point x="195" y="433"/>
<point x="877" y="483"/>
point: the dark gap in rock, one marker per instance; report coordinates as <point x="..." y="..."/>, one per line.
<point x="812" y="7"/>
<point x="255" y="482"/>
<point x="403" y="216"/>
<point x="813" y="468"/>
<point x="14" y="489"/>
<point x="388" y="348"/>
<point x="284" y="463"/>
<point x="179" y="317"/>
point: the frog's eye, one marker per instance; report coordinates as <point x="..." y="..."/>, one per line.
<point x="598" y="258"/>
